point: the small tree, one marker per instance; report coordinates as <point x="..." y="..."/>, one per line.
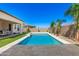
<point x="59" y="25"/>
<point x="28" y="30"/>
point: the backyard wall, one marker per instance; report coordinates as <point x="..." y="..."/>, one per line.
<point x="43" y="29"/>
<point x="33" y="29"/>
<point x="77" y="36"/>
<point x="69" y="31"/>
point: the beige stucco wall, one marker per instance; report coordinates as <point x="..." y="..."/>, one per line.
<point x="64" y="30"/>
<point x="36" y="29"/>
<point x="33" y="29"/>
<point x="4" y="25"/>
<point x="43" y="30"/>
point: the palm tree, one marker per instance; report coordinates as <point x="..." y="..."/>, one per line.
<point x="59" y="25"/>
<point x="28" y="30"/>
<point x="74" y="12"/>
<point x="38" y="29"/>
<point x="52" y="26"/>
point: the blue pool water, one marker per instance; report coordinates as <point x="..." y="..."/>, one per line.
<point x="40" y="39"/>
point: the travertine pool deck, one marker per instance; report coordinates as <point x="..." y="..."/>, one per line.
<point x="54" y="50"/>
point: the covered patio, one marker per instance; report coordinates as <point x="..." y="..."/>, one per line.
<point x="8" y="28"/>
<point x="9" y="24"/>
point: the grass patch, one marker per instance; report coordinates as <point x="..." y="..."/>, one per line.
<point x="8" y="40"/>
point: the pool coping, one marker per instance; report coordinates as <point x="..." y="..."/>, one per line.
<point x="6" y="47"/>
<point x="59" y="39"/>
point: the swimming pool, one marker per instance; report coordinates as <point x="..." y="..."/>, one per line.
<point x="40" y="39"/>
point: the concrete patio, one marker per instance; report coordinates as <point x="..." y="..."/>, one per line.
<point x="54" y="50"/>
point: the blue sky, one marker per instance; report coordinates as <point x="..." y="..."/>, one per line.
<point x="38" y="14"/>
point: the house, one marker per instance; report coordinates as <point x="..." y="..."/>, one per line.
<point x="10" y="24"/>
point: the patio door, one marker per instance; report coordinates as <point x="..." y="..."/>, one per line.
<point x="10" y="27"/>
